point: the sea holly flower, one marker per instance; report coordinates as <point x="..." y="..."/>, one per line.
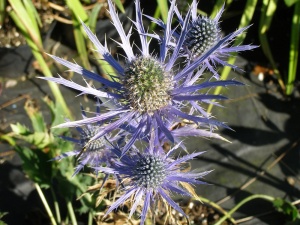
<point x="203" y="35"/>
<point x="151" y="176"/>
<point x="147" y="92"/>
<point x="90" y="153"/>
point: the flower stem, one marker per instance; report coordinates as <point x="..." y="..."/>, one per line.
<point x="45" y="203"/>
<point x="71" y="212"/>
<point x="56" y="207"/>
<point x="216" y="206"/>
<point x="90" y="219"/>
<point x="266" y="197"/>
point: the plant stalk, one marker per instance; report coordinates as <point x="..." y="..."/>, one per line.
<point x="294" y="49"/>
<point x="71" y="212"/>
<point x="56" y="206"/>
<point x="245" y="21"/>
<point x="241" y="203"/>
<point x="45" y="203"/>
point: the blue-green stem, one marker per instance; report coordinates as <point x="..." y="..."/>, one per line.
<point x="71" y="213"/>
<point x="244" y="201"/>
<point x="45" y="203"/>
<point x="294" y="49"/>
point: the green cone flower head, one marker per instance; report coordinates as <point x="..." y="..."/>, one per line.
<point x="147" y="85"/>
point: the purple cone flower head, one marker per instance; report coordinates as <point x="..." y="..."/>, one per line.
<point x="90" y="153"/>
<point x="152" y="175"/>
<point x="148" y="91"/>
<point x="204" y="35"/>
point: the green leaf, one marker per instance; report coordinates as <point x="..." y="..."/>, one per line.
<point x="66" y="188"/>
<point x="39" y="139"/>
<point x="8" y="139"/>
<point x="77" y="9"/>
<point x="80" y="42"/>
<point x="267" y="12"/>
<point x="106" y="67"/>
<point x="32" y="12"/>
<point x="94" y="16"/>
<point x="245" y="21"/>
<point x="36" y="165"/>
<point x="119" y="5"/>
<point x="286" y="208"/>
<point x="28" y="26"/>
<point x="27" y="19"/>
<point x="163" y="7"/>
<point x="35" y="116"/>
<point x="289" y="3"/>
<point x="2" y="214"/>
<point x="294" y="49"/>
<point x="2" y="11"/>
<point x="57" y="111"/>
<point x="20" y="129"/>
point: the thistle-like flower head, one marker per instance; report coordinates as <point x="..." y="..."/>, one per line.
<point x="203" y="34"/>
<point x="204" y="39"/>
<point x="148" y="91"/>
<point x="93" y="153"/>
<point x="152" y="176"/>
<point x="147" y="85"/>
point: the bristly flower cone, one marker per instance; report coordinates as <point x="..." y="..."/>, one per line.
<point x="146" y="85"/>
<point x="202" y="35"/>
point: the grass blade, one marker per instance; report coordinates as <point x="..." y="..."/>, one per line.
<point x="32" y="12"/>
<point x="107" y="68"/>
<point x="245" y="21"/>
<point x="218" y="5"/>
<point x="267" y="13"/>
<point x="94" y="16"/>
<point x="2" y="11"/>
<point x="37" y="50"/>
<point x="78" y="13"/>
<point x="163" y="8"/>
<point x="31" y="28"/>
<point x="119" y="5"/>
<point x="294" y="49"/>
<point x="80" y="43"/>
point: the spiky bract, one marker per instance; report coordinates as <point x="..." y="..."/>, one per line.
<point x="93" y="153"/>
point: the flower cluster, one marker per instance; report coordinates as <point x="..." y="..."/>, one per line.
<point x="146" y="100"/>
